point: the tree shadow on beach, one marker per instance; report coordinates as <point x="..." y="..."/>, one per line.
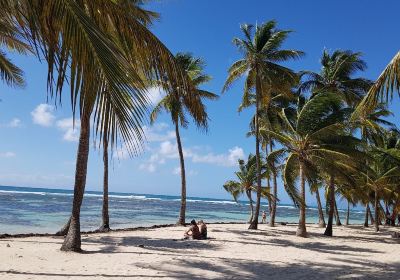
<point x="111" y="244"/>
<point x="240" y="269"/>
<point x="209" y="268"/>
<point x="193" y="259"/>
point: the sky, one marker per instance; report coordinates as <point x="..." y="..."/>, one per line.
<point x="38" y="140"/>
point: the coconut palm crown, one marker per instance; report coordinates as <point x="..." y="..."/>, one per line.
<point x="336" y="76"/>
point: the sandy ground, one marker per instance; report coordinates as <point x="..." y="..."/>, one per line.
<point x="233" y="252"/>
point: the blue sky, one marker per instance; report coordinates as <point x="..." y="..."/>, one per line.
<point x="38" y="143"/>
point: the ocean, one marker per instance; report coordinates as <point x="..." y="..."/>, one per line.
<point x="41" y="210"/>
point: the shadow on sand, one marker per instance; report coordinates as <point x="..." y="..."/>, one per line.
<point x="337" y="266"/>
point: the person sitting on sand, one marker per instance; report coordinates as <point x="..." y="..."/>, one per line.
<point x="203" y="229"/>
<point x="264" y="217"/>
<point x="193" y="232"/>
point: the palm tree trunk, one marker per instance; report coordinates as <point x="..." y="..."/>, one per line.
<point x="275" y="193"/>
<point x="347" y="214"/>
<point x="366" y="215"/>
<point x="321" y="222"/>
<point x="331" y="197"/>
<point x="394" y="212"/>
<point x="268" y="185"/>
<point x="254" y="223"/>
<point x="105" y="215"/>
<point x="393" y="217"/>
<point x="301" y="230"/>
<point x="72" y="241"/>
<point x="64" y="230"/>
<point x="376" y="211"/>
<point x="338" y="223"/>
<point x="371" y="216"/>
<point x="182" y="212"/>
<point x="248" y="193"/>
<point x="347" y="222"/>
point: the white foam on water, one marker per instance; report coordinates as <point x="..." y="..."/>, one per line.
<point x="22" y="192"/>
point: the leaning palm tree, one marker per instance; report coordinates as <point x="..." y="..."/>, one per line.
<point x="262" y="52"/>
<point x="313" y="145"/>
<point x="104" y="51"/>
<point x="177" y="102"/>
<point x="246" y="181"/>
<point x="336" y="76"/>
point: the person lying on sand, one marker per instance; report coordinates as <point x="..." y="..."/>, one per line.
<point x="203" y="229"/>
<point x="193" y="232"/>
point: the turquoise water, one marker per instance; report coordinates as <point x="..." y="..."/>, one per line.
<point x="40" y="210"/>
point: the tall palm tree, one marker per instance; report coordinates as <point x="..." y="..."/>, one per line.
<point x="246" y="181"/>
<point x="336" y="76"/>
<point x="261" y="54"/>
<point x="177" y="102"/>
<point x="270" y="119"/>
<point x="315" y="144"/>
<point x="107" y="51"/>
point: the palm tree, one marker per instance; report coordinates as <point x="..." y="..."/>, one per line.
<point x="336" y="76"/>
<point x="382" y="176"/>
<point x="373" y="126"/>
<point x="178" y="102"/>
<point x="315" y="144"/>
<point x="246" y="181"/>
<point x="11" y="38"/>
<point x="78" y="38"/>
<point x="262" y="52"/>
<point x="270" y="119"/>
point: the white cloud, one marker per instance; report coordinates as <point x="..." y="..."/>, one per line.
<point x="15" y="122"/>
<point x="228" y="159"/>
<point x="149" y="167"/>
<point x="168" y="150"/>
<point x="157" y="133"/>
<point x="7" y="155"/>
<point x="177" y="171"/>
<point x="43" y="115"/>
<point x="155" y="95"/>
<point x="71" y="131"/>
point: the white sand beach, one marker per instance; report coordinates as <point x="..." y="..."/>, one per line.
<point x="232" y="252"/>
